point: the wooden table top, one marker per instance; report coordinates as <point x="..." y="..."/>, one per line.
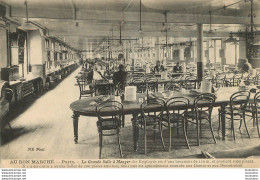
<point x="83" y="106"/>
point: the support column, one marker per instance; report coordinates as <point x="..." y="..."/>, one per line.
<point x="181" y="53"/>
<point x="223" y="53"/>
<point x="157" y="50"/>
<point x="200" y="52"/>
<point x="242" y="48"/>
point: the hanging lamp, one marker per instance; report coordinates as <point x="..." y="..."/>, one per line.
<point x="210" y="30"/>
<point x="27" y="26"/>
<point x="140" y="31"/>
<point x="231" y="39"/>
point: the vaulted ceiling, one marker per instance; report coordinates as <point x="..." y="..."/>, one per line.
<point x="86" y="23"/>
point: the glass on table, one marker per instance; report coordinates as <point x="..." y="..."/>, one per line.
<point x="141" y="99"/>
<point x="118" y="98"/>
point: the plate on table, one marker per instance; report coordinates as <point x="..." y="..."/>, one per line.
<point x="243" y="88"/>
<point x="195" y="92"/>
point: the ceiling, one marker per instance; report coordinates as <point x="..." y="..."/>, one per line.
<point x="99" y="20"/>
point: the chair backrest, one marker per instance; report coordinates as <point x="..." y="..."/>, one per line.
<point x="171" y="86"/>
<point x="220" y="77"/>
<point x="82" y="83"/>
<point x="152" y="105"/>
<point x="204" y="103"/>
<point x="152" y="84"/>
<point x="176" y="104"/>
<point x="109" y="109"/>
<point x="257" y="100"/>
<point x="190" y="82"/>
<point x="239" y="98"/>
<point x="237" y="78"/>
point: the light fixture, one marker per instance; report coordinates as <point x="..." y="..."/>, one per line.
<point x="140" y="31"/>
<point x="251" y="35"/>
<point x="231" y="39"/>
<point x="27" y="26"/>
<point x="210" y="29"/>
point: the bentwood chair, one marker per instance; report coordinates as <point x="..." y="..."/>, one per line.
<point x="257" y="79"/>
<point x="236" y="111"/>
<point x="152" y="84"/>
<point x="85" y="90"/>
<point x="172" y="86"/>
<point x="151" y="119"/>
<point x="190" y="82"/>
<point x="139" y="83"/>
<point x="203" y="105"/>
<point x="257" y="110"/>
<point x="235" y="81"/>
<point x="176" y="116"/>
<point x="220" y="80"/>
<point x="109" y="115"/>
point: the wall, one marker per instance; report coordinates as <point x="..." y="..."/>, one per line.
<point x="242" y="48"/>
<point x="3" y="46"/>
<point x="36" y="47"/>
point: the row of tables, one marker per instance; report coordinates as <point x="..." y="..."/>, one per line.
<point x="34" y="84"/>
<point x="83" y="107"/>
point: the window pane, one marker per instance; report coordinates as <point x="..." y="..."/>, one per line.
<point x="231" y="53"/>
<point x="218" y="47"/>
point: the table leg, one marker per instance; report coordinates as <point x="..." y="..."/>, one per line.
<point x="75" y="117"/>
<point x="135" y="131"/>
<point x="223" y="121"/>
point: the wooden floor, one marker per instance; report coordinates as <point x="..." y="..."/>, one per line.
<point x="45" y="124"/>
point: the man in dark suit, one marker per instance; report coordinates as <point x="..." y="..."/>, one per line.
<point x="177" y="68"/>
<point x="158" y="68"/>
<point x="120" y="77"/>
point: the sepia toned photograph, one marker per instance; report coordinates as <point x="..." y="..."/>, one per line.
<point x="130" y="83"/>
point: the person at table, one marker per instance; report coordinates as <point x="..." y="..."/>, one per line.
<point x="158" y="68"/>
<point x="177" y="68"/>
<point x="246" y="67"/>
<point x="120" y="77"/>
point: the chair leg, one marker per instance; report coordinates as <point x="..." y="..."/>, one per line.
<point x="244" y="119"/>
<point x="240" y="125"/>
<point x="198" y="134"/>
<point x="185" y="133"/>
<point x="253" y="116"/>
<point x="161" y="135"/>
<point x="123" y="121"/>
<point x="200" y="127"/>
<point x="119" y="144"/>
<point x="9" y="125"/>
<point x="145" y="139"/>
<point x="100" y="145"/>
<point x="232" y="126"/>
<point x="257" y="124"/>
<point x="154" y="127"/>
<point x="177" y="128"/>
<point x="170" y="137"/>
<point x="211" y="129"/>
<point x="219" y="122"/>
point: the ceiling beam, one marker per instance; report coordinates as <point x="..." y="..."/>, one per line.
<point x="113" y="16"/>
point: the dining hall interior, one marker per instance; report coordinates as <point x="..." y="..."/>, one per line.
<point x="134" y="79"/>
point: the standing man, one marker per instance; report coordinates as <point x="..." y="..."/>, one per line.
<point x="120" y="77"/>
<point x="177" y="68"/>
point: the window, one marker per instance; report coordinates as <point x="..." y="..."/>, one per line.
<point x="218" y="47"/>
<point x="205" y="51"/>
<point x="232" y="52"/>
<point x="211" y="51"/>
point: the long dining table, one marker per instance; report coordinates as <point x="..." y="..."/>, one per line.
<point x="86" y="107"/>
